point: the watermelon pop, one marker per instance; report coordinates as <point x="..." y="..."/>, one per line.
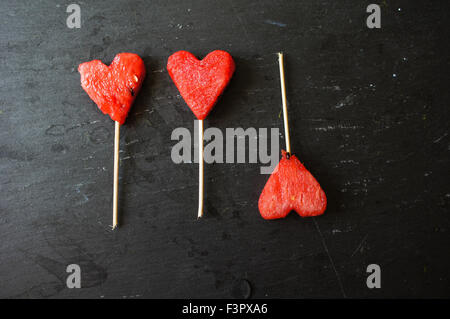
<point x="201" y="82"/>
<point x="291" y="186"/>
<point x="113" y="88"/>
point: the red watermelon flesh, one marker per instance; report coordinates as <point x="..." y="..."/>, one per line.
<point x="201" y="82"/>
<point x="291" y="187"/>
<point x="113" y="88"/>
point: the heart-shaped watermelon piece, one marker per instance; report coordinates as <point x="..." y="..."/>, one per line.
<point x="113" y="88"/>
<point x="201" y="82"/>
<point x="291" y="187"/>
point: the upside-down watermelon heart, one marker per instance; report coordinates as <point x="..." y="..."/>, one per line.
<point x="113" y="88"/>
<point x="201" y="82"/>
<point x="291" y="187"/>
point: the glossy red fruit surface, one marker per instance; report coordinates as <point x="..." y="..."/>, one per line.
<point x="113" y="88"/>
<point x="201" y="82"/>
<point x="291" y="187"/>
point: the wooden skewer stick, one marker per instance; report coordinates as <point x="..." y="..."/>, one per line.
<point x="283" y="97"/>
<point x="200" y="169"/>
<point x="116" y="174"/>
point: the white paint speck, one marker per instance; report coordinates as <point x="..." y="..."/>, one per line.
<point x="348" y="100"/>
<point x="439" y="138"/>
<point x="349" y="161"/>
<point x="278" y="24"/>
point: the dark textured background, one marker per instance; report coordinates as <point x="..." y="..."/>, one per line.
<point x="369" y="117"/>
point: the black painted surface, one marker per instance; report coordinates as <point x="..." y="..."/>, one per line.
<point x="369" y="117"/>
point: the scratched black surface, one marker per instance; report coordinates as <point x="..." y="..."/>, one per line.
<point x="369" y="117"/>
